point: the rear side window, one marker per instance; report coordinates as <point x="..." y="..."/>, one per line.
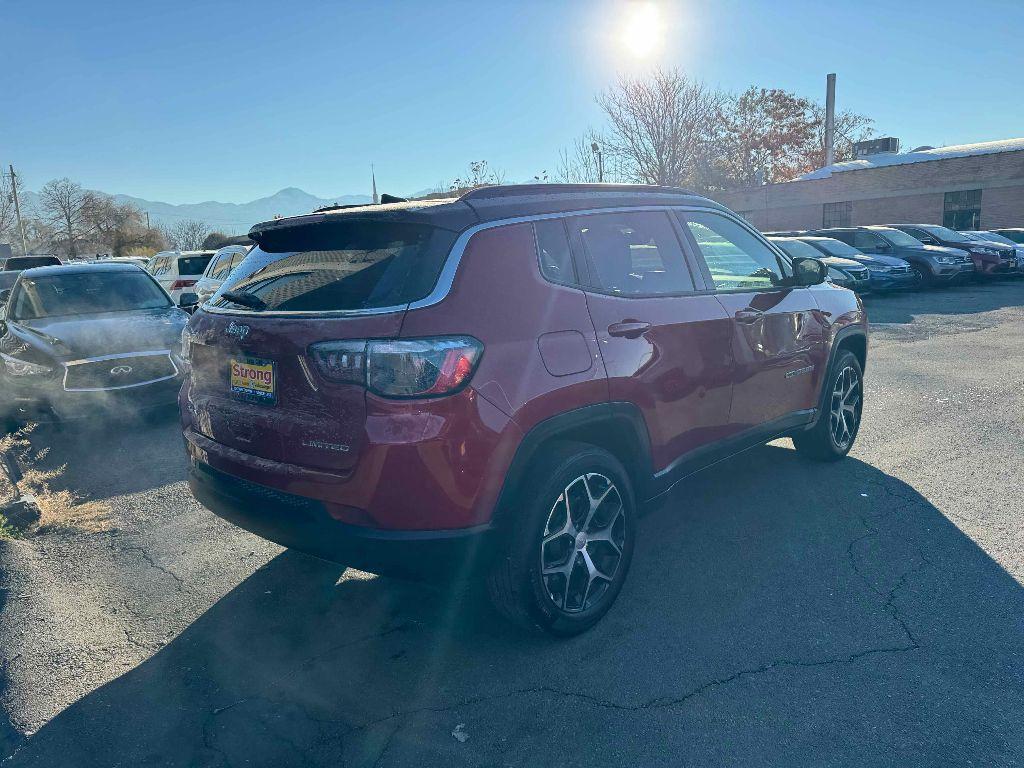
<point x="346" y="265"/>
<point x="222" y="266"/>
<point x="736" y="258"/>
<point x="193" y="265"/>
<point x="553" y="251"/>
<point x="635" y="253"/>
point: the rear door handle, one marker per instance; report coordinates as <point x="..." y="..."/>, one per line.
<point x="630" y="329"/>
<point x="748" y="315"/>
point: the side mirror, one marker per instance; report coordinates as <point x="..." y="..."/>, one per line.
<point x="188" y="301"/>
<point x="807" y="271"/>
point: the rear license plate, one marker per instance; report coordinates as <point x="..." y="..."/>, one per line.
<point x="253" y="379"/>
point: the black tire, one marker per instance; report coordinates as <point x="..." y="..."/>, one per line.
<point x="517" y="586"/>
<point x="924" y="276"/>
<point x="822" y="442"/>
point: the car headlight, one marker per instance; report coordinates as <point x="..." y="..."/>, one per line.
<point x="882" y="269"/>
<point x="186" y="344"/>
<point x="948" y="259"/>
<point x="987" y="251"/>
<point x="17" y="367"/>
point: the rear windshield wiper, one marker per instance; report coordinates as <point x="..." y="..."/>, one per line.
<point x="245" y="299"/>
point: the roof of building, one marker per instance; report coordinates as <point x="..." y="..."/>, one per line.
<point x="884" y="159"/>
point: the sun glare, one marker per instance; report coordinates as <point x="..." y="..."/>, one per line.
<point x="642" y="32"/>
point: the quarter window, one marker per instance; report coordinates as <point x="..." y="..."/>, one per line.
<point x="553" y="251"/>
<point x="736" y="258"/>
<point x="636" y="253"/>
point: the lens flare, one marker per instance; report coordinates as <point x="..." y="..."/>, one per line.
<point x="643" y="30"/>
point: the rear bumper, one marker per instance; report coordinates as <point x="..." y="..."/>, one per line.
<point x="305" y="524"/>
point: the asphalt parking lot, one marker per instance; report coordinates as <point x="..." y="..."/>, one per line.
<point x="869" y="612"/>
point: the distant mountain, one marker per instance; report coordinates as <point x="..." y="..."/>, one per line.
<point x="232" y="218"/>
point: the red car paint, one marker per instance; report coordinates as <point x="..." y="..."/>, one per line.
<point x="700" y="369"/>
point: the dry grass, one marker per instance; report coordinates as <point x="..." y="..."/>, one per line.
<point x="58" y="510"/>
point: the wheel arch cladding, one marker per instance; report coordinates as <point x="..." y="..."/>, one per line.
<point x="616" y="427"/>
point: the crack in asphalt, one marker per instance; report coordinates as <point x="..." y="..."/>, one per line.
<point x="124" y="547"/>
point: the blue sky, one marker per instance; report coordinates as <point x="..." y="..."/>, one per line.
<point x="186" y="101"/>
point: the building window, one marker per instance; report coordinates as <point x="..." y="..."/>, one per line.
<point x="962" y="210"/>
<point x="836" y="214"/>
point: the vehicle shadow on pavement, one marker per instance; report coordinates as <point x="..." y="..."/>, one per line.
<point x="778" y="612"/>
<point x="904" y="307"/>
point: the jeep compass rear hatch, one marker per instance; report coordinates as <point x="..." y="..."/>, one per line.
<point x="277" y="355"/>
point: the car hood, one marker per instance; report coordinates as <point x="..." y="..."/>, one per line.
<point x="942" y="250"/>
<point x="107" y="333"/>
<point x="877" y="260"/>
<point x="840" y="263"/>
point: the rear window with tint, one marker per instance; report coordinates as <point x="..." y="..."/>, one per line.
<point x="193" y="265"/>
<point x="340" y="266"/>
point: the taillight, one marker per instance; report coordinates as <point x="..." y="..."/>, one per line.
<point x="183" y="284"/>
<point x="403" y="368"/>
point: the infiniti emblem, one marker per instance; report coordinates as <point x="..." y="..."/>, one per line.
<point x="236" y="330"/>
<point x="120" y="370"/>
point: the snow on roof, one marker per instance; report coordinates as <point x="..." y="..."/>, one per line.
<point x="940" y="153"/>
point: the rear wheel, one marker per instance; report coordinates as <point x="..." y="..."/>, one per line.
<point x="567" y="556"/>
<point x="838" y="424"/>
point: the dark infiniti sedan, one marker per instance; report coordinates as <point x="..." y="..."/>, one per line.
<point x="78" y="340"/>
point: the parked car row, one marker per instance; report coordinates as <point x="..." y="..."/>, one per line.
<point x="902" y="256"/>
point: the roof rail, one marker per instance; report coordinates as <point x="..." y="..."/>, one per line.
<point x="518" y="190"/>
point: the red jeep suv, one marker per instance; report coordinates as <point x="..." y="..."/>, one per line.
<point x="496" y="383"/>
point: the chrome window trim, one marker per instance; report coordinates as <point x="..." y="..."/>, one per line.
<point x="124" y="356"/>
<point x="446" y="278"/>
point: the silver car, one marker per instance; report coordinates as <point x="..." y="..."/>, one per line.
<point x="220" y="266"/>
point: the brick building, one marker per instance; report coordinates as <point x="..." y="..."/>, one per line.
<point x="968" y="186"/>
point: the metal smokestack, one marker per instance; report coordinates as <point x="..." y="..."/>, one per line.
<point x="830" y="119"/>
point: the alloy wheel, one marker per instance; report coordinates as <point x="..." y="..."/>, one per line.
<point x="583" y="542"/>
<point x="844" y="417"/>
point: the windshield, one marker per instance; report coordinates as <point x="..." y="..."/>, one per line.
<point x="340" y="266"/>
<point x="82" y="293"/>
<point x="795" y="248"/>
<point x="945" y="233"/>
<point x="835" y="247"/>
<point x="897" y="237"/>
<point x="992" y="237"/>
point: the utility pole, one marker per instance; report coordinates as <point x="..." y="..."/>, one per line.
<point x="17" y="211"/>
<point x="830" y="119"/>
<point x="148" y="225"/>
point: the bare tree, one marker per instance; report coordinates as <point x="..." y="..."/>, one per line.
<point x="579" y="163"/>
<point x="120" y="227"/>
<point x="662" y="127"/>
<point x="187" y="235"/>
<point x="478" y="174"/>
<point x="64" y="206"/>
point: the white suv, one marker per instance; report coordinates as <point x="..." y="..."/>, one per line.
<point x="179" y="271"/>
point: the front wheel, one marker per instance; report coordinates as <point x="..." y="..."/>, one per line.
<point x="568" y="553"/>
<point x="924" y="276"/>
<point x="839" y="422"/>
